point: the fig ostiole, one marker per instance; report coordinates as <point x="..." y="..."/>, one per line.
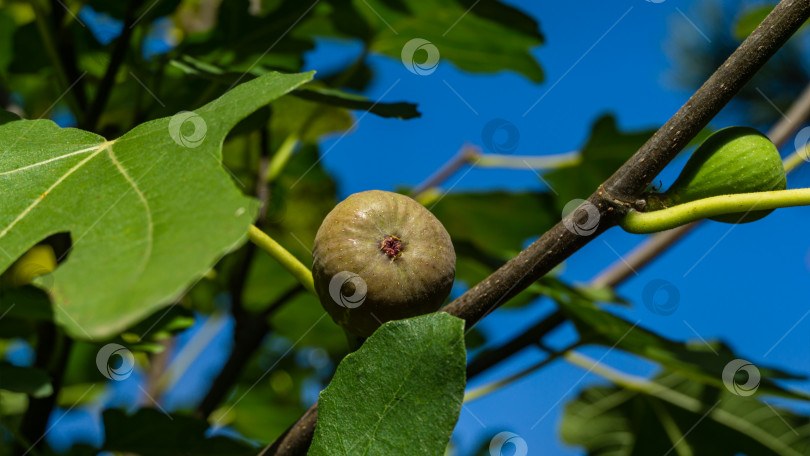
<point x="381" y="256"/>
<point x="731" y="161"/>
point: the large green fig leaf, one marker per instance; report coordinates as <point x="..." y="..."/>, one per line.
<point x="402" y="389"/>
<point x="679" y="417"/>
<point x="148" y="213"/>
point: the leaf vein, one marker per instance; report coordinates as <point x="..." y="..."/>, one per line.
<point x="149" y="226"/>
<point x="33" y="165"/>
<point x="36" y="202"/>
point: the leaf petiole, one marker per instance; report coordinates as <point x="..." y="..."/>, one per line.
<point x="664" y="219"/>
<point x="283" y="256"/>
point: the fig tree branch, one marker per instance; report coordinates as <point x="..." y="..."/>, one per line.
<point x="614" y="197"/>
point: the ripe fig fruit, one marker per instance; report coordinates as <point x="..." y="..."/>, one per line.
<point x="732" y="160"/>
<point x="381" y="256"/>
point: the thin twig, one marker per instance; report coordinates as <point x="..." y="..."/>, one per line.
<point x="49" y="43"/>
<point x="489" y="358"/>
<point x="249" y="332"/>
<point x="461" y="158"/>
<point x="117" y="56"/>
<point x="53" y="352"/>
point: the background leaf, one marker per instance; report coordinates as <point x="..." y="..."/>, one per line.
<point x="698" y="362"/>
<point x="616" y="421"/>
<point x="149" y="432"/>
<point x="28" y="380"/>
<point x="606" y="150"/>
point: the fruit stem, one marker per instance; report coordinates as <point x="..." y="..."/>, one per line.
<point x="284" y="257"/>
<point x="742" y="203"/>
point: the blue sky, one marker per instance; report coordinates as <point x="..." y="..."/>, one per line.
<point x="745" y="285"/>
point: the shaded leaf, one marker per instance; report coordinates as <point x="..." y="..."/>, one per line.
<point x="347" y="100"/>
<point x="150" y="432"/>
<point x="307" y="120"/>
<point x="402" y="389"/>
<point x="28" y="380"/>
<point x="27" y="303"/>
<point x="606" y="150"/>
<point x="701" y="363"/>
<point x="694" y="420"/>
<point x="750" y="20"/>
<point x="7" y="29"/>
<point x="496" y="222"/>
<point x="146" y="12"/>
<point x="136" y="204"/>
<point x="315" y="91"/>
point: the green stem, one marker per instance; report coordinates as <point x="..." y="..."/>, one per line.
<point x="284" y="257"/>
<point x="282" y="156"/>
<point x="541" y="162"/>
<point x="664" y="219"/>
<point x="797" y="158"/>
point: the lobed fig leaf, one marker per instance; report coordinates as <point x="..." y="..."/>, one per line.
<point x="732" y="160"/>
<point x="381" y="256"/>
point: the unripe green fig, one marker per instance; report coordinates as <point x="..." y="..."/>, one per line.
<point x="381" y="256"/>
<point x="733" y="160"/>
